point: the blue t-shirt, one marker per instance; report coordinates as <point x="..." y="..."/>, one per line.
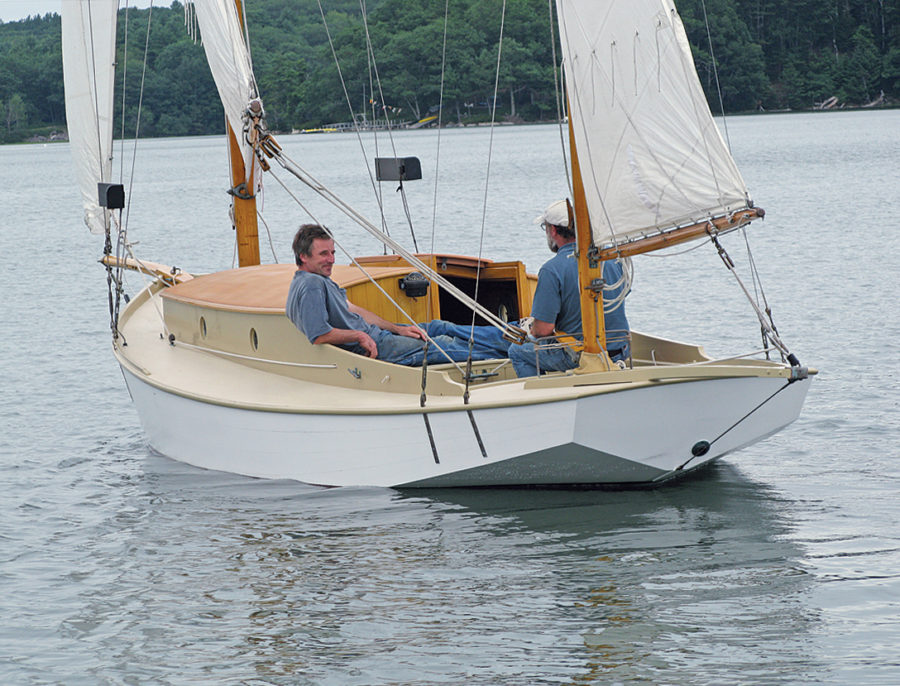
<point x="316" y="305"/>
<point x="556" y="298"/>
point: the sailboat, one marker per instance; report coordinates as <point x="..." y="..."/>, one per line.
<point x="221" y="379"/>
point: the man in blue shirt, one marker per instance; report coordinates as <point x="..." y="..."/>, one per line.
<point x="557" y="305"/>
<point x="320" y="309"/>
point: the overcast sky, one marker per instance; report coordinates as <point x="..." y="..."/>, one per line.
<point x="12" y="10"/>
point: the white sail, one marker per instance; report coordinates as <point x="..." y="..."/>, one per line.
<point x="89" y="46"/>
<point x="651" y="156"/>
<point x="229" y="61"/>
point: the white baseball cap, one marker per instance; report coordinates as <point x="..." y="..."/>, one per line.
<point x="556" y="214"/>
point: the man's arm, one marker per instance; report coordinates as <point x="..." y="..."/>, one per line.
<point x="541" y="329"/>
<point x="345" y="336"/>
<point x="374" y="319"/>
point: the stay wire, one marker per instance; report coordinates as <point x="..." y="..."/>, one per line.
<point x="712" y="56"/>
<point x="327" y="194"/>
<point x="107" y="216"/>
<point x="440" y="122"/>
<point x="356" y="129"/>
<point x="371" y="51"/>
<point x="373" y="113"/>
<point x="557" y="68"/>
<point x="487" y="181"/>
<point x="733" y="426"/>
<point x="353" y="260"/>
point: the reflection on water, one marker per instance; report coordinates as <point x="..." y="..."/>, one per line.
<point x="702" y="573"/>
<point x="225" y="577"/>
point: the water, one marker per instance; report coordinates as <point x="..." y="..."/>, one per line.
<point x="779" y="565"/>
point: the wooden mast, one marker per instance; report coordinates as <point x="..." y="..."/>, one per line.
<point x="590" y="269"/>
<point x="243" y="194"/>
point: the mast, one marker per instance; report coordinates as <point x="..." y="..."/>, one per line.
<point x="590" y="269"/>
<point x="242" y="191"/>
<point x="244" y="206"/>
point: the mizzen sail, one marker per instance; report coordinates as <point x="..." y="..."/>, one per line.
<point x="651" y="155"/>
<point x="89" y="46"/>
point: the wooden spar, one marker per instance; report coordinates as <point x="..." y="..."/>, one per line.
<point x="592" y="323"/>
<point x="658" y="241"/>
<point x="243" y="196"/>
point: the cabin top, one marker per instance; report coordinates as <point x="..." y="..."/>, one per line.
<point x="262" y="288"/>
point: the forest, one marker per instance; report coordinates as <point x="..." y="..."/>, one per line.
<point x="314" y="69"/>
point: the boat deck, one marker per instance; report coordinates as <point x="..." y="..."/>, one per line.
<point x="262" y="288"/>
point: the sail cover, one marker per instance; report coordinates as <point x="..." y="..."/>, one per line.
<point x="89" y="45"/>
<point x="650" y="154"/>
<point x="229" y="61"/>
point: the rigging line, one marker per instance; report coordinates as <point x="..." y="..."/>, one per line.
<point x="557" y="67"/>
<point x="758" y="290"/>
<point x="487" y="178"/>
<point x="144" y="274"/>
<point x="371" y="279"/>
<point x="306" y="178"/>
<point x="137" y="123"/>
<point x="715" y="67"/>
<point x="349" y="104"/>
<point x="372" y="104"/>
<point x="379" y="198"/>
<point x="739" y="421"/>
<point x="769" y="328"/>
<point x="440" y="122"/>
<point x="107" y="216"/>
<point x="269" y="234"/>
<point x="124" y="83"/>
<point x="374" y="63"/>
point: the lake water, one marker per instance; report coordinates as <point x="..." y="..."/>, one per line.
<point x="778" y="565"/>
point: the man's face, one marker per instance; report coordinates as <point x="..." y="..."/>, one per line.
<point x="321" y="257"/>
<point x="552" y="243"/>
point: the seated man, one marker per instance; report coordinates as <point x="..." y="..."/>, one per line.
<point x="320" y="309"/>
<point x="557" y="305"/>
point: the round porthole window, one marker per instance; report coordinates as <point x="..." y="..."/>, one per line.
<point x="254" y="339"/>
<point x="202" y="327"/>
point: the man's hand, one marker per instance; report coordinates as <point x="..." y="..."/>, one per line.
<point x="409" y="330"/>
<point x="368" y="344"/>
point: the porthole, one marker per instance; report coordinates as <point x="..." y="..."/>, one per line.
<point x="254" y="339"/>
<point x="202" y="327"/>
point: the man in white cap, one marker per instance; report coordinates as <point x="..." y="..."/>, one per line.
<point x="557" y="305"/>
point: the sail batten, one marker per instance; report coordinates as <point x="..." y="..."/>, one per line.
<point x="652" y="157"/>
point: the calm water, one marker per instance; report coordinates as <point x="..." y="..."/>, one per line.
<point x="779" y="565"/>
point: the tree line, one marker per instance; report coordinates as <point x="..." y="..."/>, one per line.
<point x="764" y="55"/>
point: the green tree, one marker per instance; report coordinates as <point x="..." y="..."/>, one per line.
<point x="859" y="73"/>
<point x="15" y="113"/>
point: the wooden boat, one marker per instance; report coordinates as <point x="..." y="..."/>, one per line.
<point x="222" y="379"/>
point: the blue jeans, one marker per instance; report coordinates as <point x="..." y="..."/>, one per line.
<point x="525" y="362"/>
<point x="485" y="339"/>
<point x="488" y="344"/>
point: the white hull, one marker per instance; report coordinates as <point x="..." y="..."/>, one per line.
<point x="628" y="437"/>
<point x="241" y="390"/>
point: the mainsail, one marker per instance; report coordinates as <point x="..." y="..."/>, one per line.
<point x="229" y="61"/>
<point x="650" y="153"/>
<point x="89" y="47"/>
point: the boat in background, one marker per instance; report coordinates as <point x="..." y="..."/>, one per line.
<point x="223" y="380"/>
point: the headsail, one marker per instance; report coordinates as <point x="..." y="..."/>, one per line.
<point x="89" y="47"/>
<point x="651" y="155"/>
